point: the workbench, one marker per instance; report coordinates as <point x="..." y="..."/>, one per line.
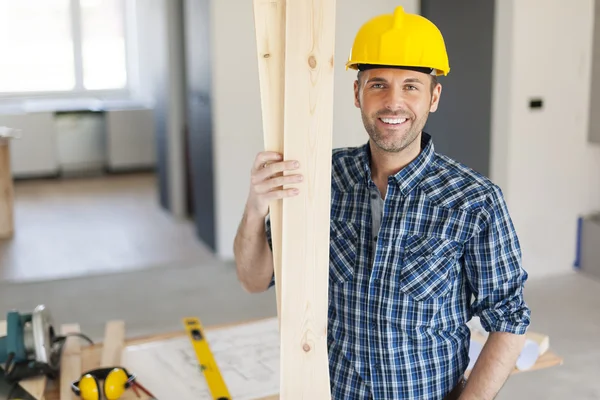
<point x="92" y="355"/>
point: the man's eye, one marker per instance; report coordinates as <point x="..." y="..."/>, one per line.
<point x="411" y="87"/>
<point x="377" y="85"/>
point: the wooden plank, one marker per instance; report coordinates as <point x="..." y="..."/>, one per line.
<point x="308" y="120"/>
<point x="70" y="362"/>
<point x="269" y="17"/>
<point x="114" y="342"/>
<point x="547" y="360"/>
<point x="6" y="192"/>
<point x="36" y="387"/>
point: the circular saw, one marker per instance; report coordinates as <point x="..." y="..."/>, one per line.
<point x="28" y="348"/>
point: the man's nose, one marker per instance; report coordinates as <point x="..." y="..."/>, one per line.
<point x="395" y="99"/>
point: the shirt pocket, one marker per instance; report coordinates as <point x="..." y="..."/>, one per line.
<point x="343" y="251"/>
<point x="428" y="267"/>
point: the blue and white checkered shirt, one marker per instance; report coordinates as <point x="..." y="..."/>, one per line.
<point x="404" y="271"/>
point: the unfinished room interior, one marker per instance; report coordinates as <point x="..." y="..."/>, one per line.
<point x="439" y="237"/>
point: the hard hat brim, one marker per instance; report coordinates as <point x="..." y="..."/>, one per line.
<point x="358" y="66"/>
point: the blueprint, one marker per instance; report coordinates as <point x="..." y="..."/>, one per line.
<point x="247" y="355"/>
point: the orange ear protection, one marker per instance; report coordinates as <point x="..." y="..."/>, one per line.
<point x="116" y="381"/>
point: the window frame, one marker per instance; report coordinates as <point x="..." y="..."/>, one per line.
<point x="131" y="63"/>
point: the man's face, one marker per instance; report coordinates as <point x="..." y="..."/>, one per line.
<point x="395" y="104"/>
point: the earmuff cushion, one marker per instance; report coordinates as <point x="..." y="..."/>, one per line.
<point x="115" y="384"/>
<point x="89" y="388"/>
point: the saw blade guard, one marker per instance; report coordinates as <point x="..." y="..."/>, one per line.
<point x="39" y="335"/>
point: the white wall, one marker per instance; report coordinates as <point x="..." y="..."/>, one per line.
<point x="34" y="153"/>
<point x="237" y="113"/>
<point x="541" y="158"/>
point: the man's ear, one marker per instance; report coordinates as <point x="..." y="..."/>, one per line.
<point x="435" y="97"/>
<point x="356" y="94"/>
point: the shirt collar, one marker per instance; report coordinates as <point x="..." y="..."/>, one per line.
<point x="410" y="176"/>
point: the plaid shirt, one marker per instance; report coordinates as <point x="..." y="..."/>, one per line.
<point x="404" y="271"/>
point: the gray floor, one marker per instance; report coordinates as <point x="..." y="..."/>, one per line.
<point x="152" y="301"/>
<point x="567" y="308"/>
<point x="103" y="224"/>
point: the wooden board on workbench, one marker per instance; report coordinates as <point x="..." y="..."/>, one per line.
<point x="70" y="362"/>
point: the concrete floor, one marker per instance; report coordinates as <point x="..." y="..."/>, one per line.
<point x="153" y="300"/>
<point x="82" y="226"/>
<point x="567" y="308"/>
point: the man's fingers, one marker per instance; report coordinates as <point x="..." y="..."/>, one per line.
<point x="280" y="194"/>
<point x="268" y="178"/>
<point x="275" y="168"/>
<point x="267" y="185"/>
<point x="266" y="157"/>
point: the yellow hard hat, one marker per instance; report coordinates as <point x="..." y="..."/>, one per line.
<point x="401" y="40"/>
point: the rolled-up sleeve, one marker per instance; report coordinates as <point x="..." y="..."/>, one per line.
<point x="493" y="265"/>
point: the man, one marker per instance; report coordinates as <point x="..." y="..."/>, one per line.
<point x="415" y="236"/>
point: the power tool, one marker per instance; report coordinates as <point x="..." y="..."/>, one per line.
<point x="28" y="349"/>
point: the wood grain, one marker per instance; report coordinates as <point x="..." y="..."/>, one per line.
<point x="308" y="120"/>
<point x="70" y="362"/>
<point x="36" y="387"/>
<point x="269" y="21"/>
<point x="6" y="192"/>
<point x="114" y="342"/>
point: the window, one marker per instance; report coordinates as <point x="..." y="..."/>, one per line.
<point x="103" y="44"/>
<point x="63" y="46"/>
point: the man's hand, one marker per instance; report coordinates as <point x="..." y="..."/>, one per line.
<point x="495" y="363"/>
<point x="253" y="257"/>
<point x="266" y="182"/>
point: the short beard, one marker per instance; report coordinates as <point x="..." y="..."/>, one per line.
<point x="400" y="143"/>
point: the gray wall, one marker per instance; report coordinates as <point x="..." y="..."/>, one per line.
<point x="153" y="52"/>
<point x="200" y="125"/>
<point x="461" y="126"/>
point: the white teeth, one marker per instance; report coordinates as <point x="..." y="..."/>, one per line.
<point x="393" y="120"/>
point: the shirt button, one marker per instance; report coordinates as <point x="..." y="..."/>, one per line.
<point x="374" y="196"/>
<point x="373" y="324"/>
<point x="377" y="281"/>
<point x="375" y="238"/>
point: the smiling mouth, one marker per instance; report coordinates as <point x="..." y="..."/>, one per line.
<point x="393" y="121"/>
